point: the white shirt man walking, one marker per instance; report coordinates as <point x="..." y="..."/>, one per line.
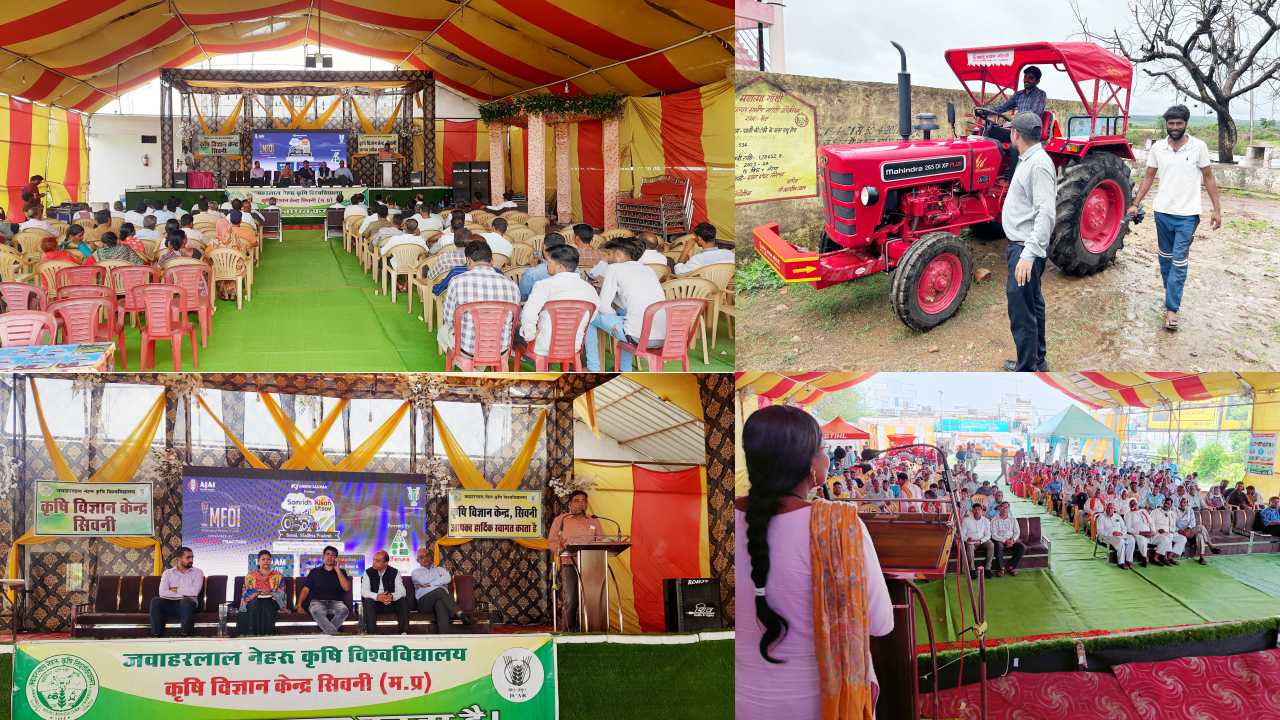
<point x="1182" y="164"/>
<point x="1027" y="217"/>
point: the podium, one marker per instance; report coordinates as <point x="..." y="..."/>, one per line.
<point x="592" y="560"/>
<point x="388" y="173"/>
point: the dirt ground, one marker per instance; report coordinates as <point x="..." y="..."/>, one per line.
<point x="1113" y="320"/>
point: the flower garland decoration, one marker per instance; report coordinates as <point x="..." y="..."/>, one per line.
<point x="592" y="106"/>
<point x="167" y="471"/>
<point x="571" y="482"/>
<point x="181" y="385"/>
<point x="439" y="480"/>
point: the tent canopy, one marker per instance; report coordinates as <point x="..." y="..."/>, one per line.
<point x="1075" y="423"/>
<point x="838" y="429"/>
<point x="1155" y="389"/>
<point x="81" y="54"/>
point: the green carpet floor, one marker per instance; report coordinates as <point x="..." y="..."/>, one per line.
<point x="313" y="309"/>
<point x="1082" y="593"/>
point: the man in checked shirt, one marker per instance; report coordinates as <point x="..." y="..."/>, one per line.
<point x="1029" y="99"/>
<point x="481" y="282"/>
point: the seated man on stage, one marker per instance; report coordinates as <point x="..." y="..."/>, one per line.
<point x="342" y="176"/>
<point x="180" y="586"/>
<point x="284" y="177"/>
<point x="431" y="593"/>
<point x="257" y="176"/>
<point x="1269" y="519"/>
<point x="1004" y="537"/>
<point x="574" y="526"/>
<point x="326" y="587"/>
<point x="305" y="175"/>
<point x="975" y="531"/>
<point x="1114" y="531"/>
<point x="382" y="591"/>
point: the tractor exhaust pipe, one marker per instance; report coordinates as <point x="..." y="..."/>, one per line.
<point x="904" y="95"/>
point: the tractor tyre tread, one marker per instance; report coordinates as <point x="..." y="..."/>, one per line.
<point x="907" y="275"/>
<point x="1066" y="250"/>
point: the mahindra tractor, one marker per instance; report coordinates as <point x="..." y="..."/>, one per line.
<point x="899" y="206"/>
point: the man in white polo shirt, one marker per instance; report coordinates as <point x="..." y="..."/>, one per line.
<point x="1182" y="164"/>
<point x="975" y="531"/>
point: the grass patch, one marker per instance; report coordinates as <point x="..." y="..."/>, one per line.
<point x="1251" y="226"/>
<point x="646" y="681"/>
<point x="839" y="299"/>
<point x="756" y="275"/>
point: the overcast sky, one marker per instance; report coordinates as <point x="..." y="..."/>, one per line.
<point x="850" y="40"/>
<point x="968" y="390"/>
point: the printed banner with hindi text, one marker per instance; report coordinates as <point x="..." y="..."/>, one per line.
<point x="297" y="201"/>
<point x="494" y="514"/>
<point x="1261" y="457"/>
<point x="219" y="145"/>
<point x="100" y="509"/>
<point x="461" y="677"/>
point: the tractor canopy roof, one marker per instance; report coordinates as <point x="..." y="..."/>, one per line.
<point x="994" y="71"/>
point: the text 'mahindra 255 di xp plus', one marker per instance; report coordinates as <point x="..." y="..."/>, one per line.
<point x="899" y="206"/>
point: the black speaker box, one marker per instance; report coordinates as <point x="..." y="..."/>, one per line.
<point x="692" y="604"/>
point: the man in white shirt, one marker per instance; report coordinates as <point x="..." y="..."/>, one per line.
<point x="380" y="212"/>
<point x="117" y="210"/>
<point x="506" y="204"/>
<point x="431" y="592"/>
<point x="1169" y="542"/>
<point x="148" y="230"/>
<point x="382" y="591"/>
<point x="167" y="213"/>
<point x="563" y="283"/>
<point x="257" y="176"/>
<point x="975" y="532"/>
<point x="651" y="254"/>
<point x="408" y="236"/>
<point x="1027" y="218"/>
<point x="356" y="207"/>
<point x="635" y="287"/>
<point x="1139" y="523"/>
<point x="343" y="174"/>
<point x="445" y="240"/>
<point x="1181" y="161"/>
<point x="206" y="214"/>
<point x="1004" y="536"/>
<point x="428" y="221"/>
<point x="710" y="252"/>
<point x="498" y="243"/>
<point x="1114" y="531"/>
<point x="135" y="216"/>
<point x="35" y="219"/>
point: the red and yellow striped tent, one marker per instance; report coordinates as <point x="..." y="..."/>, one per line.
<point x="1145" y="390"/>
<point x="41" y="140"/>
<point x="796" y="388"/>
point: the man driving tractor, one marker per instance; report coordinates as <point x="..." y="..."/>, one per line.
<point x="1030" y="99"/>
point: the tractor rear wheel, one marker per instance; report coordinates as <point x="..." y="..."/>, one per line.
<point x="932" y="280"/>
<point x="1093" y="196"/>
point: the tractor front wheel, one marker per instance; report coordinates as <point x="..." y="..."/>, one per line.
<point x="1093" y="196"/>
<point x="931" y="280"/>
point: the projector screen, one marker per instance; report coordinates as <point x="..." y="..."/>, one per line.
<point x="229" y="514"/>
<point x="276" y="149"/>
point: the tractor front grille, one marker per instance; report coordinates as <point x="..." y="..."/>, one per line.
<point x="838" y="203"/>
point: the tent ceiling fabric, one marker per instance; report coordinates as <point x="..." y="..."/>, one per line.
<point x="797" y="388"/>
<point x="81" y="53"/>
<point x="1072" y="422"/>
<point x="1154" y="389"/>
<point x="638" y="419"/>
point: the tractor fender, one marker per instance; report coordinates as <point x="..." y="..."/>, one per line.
<point x="1122" y="149"/>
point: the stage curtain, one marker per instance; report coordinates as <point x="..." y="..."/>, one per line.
<point x="469" y="476"/>
<point x="520" y="466"/>
<point x="123" y="464"/>
<point x="253" y="460"/>
<point x="229" y="124"/>
<point x="60" y="467"/>
<point x="460" y="141"/>
<point x="584" y="407"/>
<point x="362" y="455"/>
<point x="67" y="174"/>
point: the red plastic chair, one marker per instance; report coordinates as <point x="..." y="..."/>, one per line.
<point x="21" y="296"/>
<point x="84" y="320"/>
<point x="196" y="282"/>
<point x="125" y="279"/>
<point x="682" y="318"/>
<point x="565" y="317"/>
<point x="23" y="328"/>
<point x="81" y="275"/>
<point x="490" y="319"/>
<point x="163" y="305"/>
<point x="115" y="326"/>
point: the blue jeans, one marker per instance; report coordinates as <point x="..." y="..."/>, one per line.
<point x="1026" y="312"/>
<point x="1174" y="234"/>
<point x="611" y="323"/>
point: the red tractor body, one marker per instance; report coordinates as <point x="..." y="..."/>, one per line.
<point x="882" y="200"/>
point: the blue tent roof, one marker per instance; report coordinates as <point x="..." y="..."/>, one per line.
<point x="1075" y="423"/>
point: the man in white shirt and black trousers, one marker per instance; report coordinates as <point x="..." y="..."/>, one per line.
<point x="975" y="531"/>
<point x="431" y="592"/>
<point x="1030" y="209"/>
<point x="1004" y="537"/>
<point x="382" y="591"/>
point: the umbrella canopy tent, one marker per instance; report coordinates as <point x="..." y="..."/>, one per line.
<point x="1074" y="423"/>
<point x="838" y="429"/>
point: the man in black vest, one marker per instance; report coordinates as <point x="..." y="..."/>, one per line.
<point x="382" y="591"/>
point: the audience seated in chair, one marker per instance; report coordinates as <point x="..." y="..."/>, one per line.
<point x="479" y="283"/>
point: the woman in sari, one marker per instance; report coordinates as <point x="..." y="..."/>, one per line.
<point x="809" y="581"/>
<point x="112" y="250"/>
<point x="262" y="599"/>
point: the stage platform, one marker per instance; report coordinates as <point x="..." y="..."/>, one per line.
<point x="297" y="204"/>
<point x="1083" y="594"/>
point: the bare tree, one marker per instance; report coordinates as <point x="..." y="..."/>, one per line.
<point x="1212" y="51"/>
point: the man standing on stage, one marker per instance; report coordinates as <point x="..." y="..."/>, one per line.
<point x="574" y="526"/>
<point x="180" y="587"/>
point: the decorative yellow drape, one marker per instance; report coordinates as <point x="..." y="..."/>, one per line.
<point x="249" y="456"/>
<point x="585" y="407"/>
<point x="204" y="126"/>
<point x="123" y="464"/>
<point x="300" y="119"/>
<point x="306" y="451"/>
<point x="230" y="123"/>
<point x="391" y="121"/>
<point x="60" y="466"/>
<point x="365" y="125"/>
<point x="365" y="452"/>
<point x="469" y="476"/>
<point x="324" y="116"/>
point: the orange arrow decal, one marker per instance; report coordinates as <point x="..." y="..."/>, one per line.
<point x="806" y="269"/>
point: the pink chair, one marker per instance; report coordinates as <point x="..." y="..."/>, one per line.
<point x="125" y="279"/>
<point x="21" y="296"/>
<point x="490" y="319"/>
<point x="85" y="320"/>
<point x="81" y="275"/>
<point x="163" y="305"/>
<point x="22" y="328"/>
<point x="196" y="282"/>
<point x="682" y="318"/>
<point x="565" y="317"/>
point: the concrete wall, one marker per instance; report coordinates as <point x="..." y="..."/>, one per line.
<point x="115" y="155"/>
<point x="850" y="112"/>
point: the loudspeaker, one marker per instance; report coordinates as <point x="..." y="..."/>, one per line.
<point x="692" y="604"/>
<point x="179" y="179"/>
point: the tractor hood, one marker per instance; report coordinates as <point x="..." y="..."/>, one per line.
<point x="890" y="164"/>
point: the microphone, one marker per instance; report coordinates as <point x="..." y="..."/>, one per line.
<point x="615" y="522"/>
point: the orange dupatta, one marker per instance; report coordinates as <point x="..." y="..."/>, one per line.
<point x="840" y="612"/>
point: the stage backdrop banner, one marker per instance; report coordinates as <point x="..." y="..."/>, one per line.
<point x="469" y="677"/>
<point x="228" y="514"/>
<point x="495" y="514"/>
<point x="371" y="143"/>
<point x="1261" y="458"/>
<point x="101" y="509"/>
<point x="219" y="145"/>
<point x="297" y="201"/>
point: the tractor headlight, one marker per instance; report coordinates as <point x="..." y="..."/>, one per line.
<point x="869" y="196"/>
